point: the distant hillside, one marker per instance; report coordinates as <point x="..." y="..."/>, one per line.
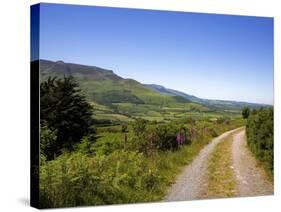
<point x="104" y="86"/>
<point x="118" y="100"/>
<point x="170" y="92"/>
<point x="214" y="104"/>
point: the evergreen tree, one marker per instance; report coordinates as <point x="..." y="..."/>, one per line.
<point x="65" y="110"/>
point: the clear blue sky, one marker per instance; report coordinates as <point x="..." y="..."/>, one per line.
<point x="210" y="56"/>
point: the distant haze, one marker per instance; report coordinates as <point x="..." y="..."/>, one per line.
<point x="209" y="56"/>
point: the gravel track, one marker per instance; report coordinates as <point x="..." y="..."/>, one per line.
<point x="193" y="181"/>
<point x="251" y="178"/>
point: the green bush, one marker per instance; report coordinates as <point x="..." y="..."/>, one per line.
<point x="245" y="112"/>
<point x="260" y="135"/>
<point x="164" y="136"/>
<point x="108" y="143"/>
<point x="76" y="179"/>
<point x="47" y="142"/>
<point x="85" y="146"/>
<point x="148" y="137"/>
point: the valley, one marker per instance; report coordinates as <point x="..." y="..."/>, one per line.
<point x="117" y="100"/>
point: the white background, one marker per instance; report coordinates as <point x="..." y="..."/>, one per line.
<point x="14" y="102"/>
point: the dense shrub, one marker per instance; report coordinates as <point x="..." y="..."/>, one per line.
<point x="150" y="137"/>
<point x="164" y="137"/>
<point x="48" y="139"/>
<point x="139" y="141"/>
<point x="85" y="146"/>
<point x="76" y="179"/>
<point x="139" y="127"/>
<point x="167" y="136"/>
<point x="108" y="143"/>
<point x="260" y="135"/>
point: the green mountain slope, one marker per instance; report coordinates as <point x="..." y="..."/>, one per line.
<point x="104" y="86"/>
<point x="221" y="105"/>
<point x="119" y="99"/>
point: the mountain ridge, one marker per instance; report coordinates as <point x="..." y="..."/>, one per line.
<point x="167" y="91"/>
<point x="106" y="87"/>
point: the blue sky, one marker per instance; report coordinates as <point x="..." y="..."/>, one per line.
<point x="210" y="56"/>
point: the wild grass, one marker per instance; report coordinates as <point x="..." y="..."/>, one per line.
<point x="222" y="182"/>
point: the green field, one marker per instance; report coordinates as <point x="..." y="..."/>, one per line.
<point x="119" y="113"/>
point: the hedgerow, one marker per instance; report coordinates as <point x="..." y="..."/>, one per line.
<point x="260" y="135"/>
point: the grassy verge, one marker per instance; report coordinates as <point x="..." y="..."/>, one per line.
<point x="222" y="181"/>
<point x="170" y="164"/>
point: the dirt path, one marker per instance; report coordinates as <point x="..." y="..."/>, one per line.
<point x="192" y="183"/>
<point x="251" y="179"/>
